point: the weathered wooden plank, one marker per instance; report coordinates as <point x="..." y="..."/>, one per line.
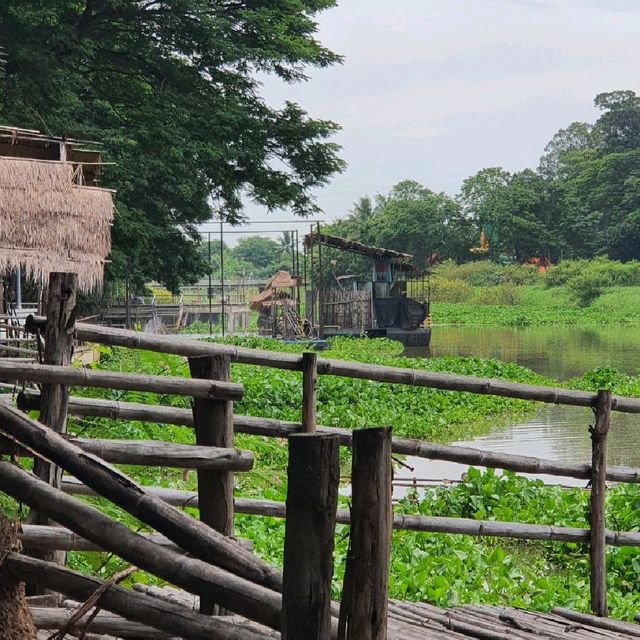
<point x="363" y="610"/>
<point x="597" y="540"/>
<point x="213" y="423"/>
<point x="312" y="499"/>
<point x="173" y="619"/>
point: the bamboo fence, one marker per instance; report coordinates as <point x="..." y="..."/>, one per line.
<point x="201" y="557"/>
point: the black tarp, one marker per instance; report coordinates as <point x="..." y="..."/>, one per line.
<point x="400" y="312"/>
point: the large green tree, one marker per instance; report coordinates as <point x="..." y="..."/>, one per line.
<point x="172" y="89"/>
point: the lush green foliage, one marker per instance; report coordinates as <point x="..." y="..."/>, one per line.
<point x="596" y="291"/>
<point x="583" y="201"/>
<point x="172" y="89"/>
<point x="539" y="306"/>
<point x="438" y="568"/>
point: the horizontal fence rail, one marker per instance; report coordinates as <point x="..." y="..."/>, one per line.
<point x="154" y="453"/>
<point x="270" y="427"/>
<point x="427" y="524"/>
<point x="54" y="374"/>
<point x="191" y="348"/>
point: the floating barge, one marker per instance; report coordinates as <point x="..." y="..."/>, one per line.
<point x="392" y="302"/>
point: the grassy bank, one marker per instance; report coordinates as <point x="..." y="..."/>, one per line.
<point x="583" y="292"/>
<point x="437" y="568"/>
<point x="537" y="305"/>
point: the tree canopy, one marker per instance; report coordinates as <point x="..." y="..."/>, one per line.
<point x="172" y="90"/>
<point x="582" y="201"/>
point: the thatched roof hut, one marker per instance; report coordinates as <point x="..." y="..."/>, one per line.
<point x="50" y="219"/>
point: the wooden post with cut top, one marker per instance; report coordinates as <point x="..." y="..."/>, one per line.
<point x="363" y="610"/>
<point x="309" y="385"/>
<point x="213" y="423"/>
<point x="312" y="500"/>
<point x="597" y="546"/>
<point x="54" y="398"/>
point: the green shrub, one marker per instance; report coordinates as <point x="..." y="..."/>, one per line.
<point x="610" y="272"/>
<point x="586" y="288"/>
<point x="450" y="290"/>
<point x="485" y="273"/>
<point x="505" y="294"/>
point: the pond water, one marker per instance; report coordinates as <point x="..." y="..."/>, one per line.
<point x="555" y="432"/>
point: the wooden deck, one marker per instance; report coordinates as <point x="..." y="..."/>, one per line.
<point x="407" y="621"/>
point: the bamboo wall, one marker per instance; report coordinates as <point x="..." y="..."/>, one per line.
<point x="346" y="310"/>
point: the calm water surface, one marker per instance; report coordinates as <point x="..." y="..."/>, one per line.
<point x="555" y="432"/>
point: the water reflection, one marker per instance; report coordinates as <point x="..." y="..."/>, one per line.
<point x="556" y="432"/>
<point x="556" y="352"/>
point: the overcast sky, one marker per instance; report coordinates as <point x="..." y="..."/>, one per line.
<point x="435" y="90"/>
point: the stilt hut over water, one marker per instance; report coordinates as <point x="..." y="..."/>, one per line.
<point x="390" y="300"/>
<point x="54" y="216"/>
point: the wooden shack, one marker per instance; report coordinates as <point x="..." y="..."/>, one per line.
<point x="54" y="216"/>
<point x="390" y="300"/>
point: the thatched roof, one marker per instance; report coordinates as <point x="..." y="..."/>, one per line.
<point x="354" y="247"/>
<point x="49" y="223"/>
<point x="280" y="280"/>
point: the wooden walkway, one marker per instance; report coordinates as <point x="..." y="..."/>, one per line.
<point x="407" y="621"/>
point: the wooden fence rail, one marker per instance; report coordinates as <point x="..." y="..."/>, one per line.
<point x="192" y="348"/>
<point x="234" y="579"/>
<point x="154" y="453"/>
<point x="52" y="374"/>
<point x="269" y="427"/>
<point x="427" y="524"/>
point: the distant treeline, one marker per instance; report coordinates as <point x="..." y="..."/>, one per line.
<point x="583" y="200"/>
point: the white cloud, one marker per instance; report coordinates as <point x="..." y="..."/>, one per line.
<point x="438" y="89"/>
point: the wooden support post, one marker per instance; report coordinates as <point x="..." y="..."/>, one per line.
<point x="213" y="423"/>
<point x="312" y="499"/>
<point x="597" y="547"/>
<point x="363" y="610"/>
<point x="309" y="383"/>
<point x="58" y="350"/>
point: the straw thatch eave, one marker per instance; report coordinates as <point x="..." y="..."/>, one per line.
<point x="49" y="223"/>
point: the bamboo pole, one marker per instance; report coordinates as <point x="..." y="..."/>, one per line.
<point x="617" y="626"/>
<point x="312" y="499"/>
<point x="171" y="618"/>
<point x="363" y="610"/>
<point x="309" y="382"/>
<point x="154" y="453"/>
<point x="193" y="536"/>
<point x="427" y="524"/>
<point x="239" y="595"/>
<point x="379" y="373"/>
<point x="213" y="422"/>
<point x="69" y="376"/>
<point x="273" y="428"/>
<point x="597" y="542"/>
